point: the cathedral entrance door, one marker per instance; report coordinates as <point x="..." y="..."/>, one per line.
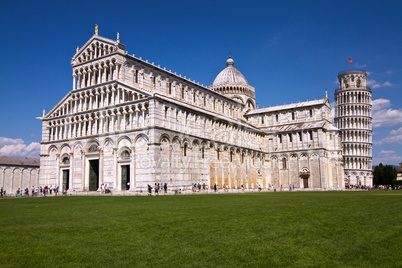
<point x="93" y="175"/>
<point x="125" y="177"/>
<point x="66" y="176"/>
<point x="305" y="183"/>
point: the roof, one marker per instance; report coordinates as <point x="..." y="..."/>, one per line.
<point x="230" y="76"/>
<point x="293" y="127"/>
<point x="289" y="106"/>
<point x="19" y="161"/>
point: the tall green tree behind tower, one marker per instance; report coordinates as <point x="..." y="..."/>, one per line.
<point x="384" y="175"/>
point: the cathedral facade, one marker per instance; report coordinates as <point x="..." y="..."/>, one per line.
<point x="128" y="123"/>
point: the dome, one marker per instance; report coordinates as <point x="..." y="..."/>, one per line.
<point x="230" y="76"/>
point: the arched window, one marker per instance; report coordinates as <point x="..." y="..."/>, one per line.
<point x="125" y="155"/>
<point x="66" y="161"/>
<point x="93" y="149"/>
<point x="185" y="150"/>
<point x="284" y="163"/>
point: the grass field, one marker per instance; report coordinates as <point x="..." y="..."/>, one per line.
<point x="296" y="229"/>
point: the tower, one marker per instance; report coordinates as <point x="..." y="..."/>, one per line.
<point x="353" y="117"/>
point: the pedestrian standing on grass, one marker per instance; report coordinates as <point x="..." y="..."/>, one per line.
<point x="215" y="187"/>
<point x="165" y="187"/>
<point x="156" y="189"/>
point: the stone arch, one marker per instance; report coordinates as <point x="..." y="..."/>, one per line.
<point x="91" y="142"/>
<point x="238" y="98"/>
<point x="65" y="159"/>
<point x="77" y="147"/>
<point x="186" y="141"/>
<point x="51" y="149"/>
<point x="176" y="140"/>
<point x="124" y="141"/>
<point x="108" y="142"/>
<point x="124" y="153"/>
<point x="141" y="140"/>
<point x="164" y="138"/>
<point x="165" y="143"/>
<point x="64" y="148"/>
<point x="250" y="102"/>
<point x="196" y="143"/>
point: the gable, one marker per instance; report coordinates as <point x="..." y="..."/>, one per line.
<point x="96" y="47"/>
<point x="66" y="106"/>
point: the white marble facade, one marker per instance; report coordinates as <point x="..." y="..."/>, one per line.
<point x="18" y="173"/>
<point x="353" y="117"/>
<point x="129" y="120"/>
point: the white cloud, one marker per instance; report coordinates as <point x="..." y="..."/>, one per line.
<point x="387" y="158"/>
<point x="379" y="104"/>
<point x="360" y="66"/>
<point x="383" y="115"/>
<point x="387" y="117"/>
<point x="394" y="137"/>
<point x="387" y="152"/>
<point x="387" y="84"/>
<point x="374" y="84"/>
<point x="17" y="147"/>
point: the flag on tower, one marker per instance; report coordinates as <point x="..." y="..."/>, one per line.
<point x="350" y="60"/>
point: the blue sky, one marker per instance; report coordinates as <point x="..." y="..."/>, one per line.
<point x="287" y="50"/>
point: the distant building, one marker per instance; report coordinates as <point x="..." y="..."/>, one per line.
<point x="18" y="172"/>
<point x="128" y="123"/>
<point x="353" y="117"/>
<point x="399" y="172"/>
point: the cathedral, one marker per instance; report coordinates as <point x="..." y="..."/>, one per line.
<point x="128" y="123"/>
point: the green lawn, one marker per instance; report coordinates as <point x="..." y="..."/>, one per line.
<point x="296" y="229"/>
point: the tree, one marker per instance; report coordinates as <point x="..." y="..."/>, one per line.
<point x="384" y="175"/>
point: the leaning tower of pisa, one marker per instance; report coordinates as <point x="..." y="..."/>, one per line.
<point x="353" y="118"/>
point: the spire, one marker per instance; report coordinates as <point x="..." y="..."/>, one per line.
<point x="96" y="29"/>
<point x="118" y="37"/>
